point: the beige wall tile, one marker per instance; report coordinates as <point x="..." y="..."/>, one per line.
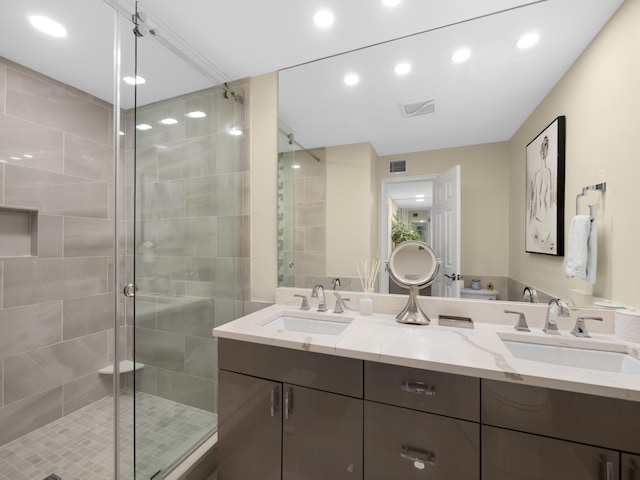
<point x="87" y="159"/>
<point x="50" y="104"/>
<point x="201" y="357"/>
<point x="160" y="349"/>
<point x="85" y="390"/>
<point x="193" y="391"/>
<point x="186" y="315"/>
<point x="30" y="327"/>
<point x="55" y="193"/>
<point x="88" y="237"/>
<point x="29" y="414"/>
<point x="37" y="371"/>
<point x="50" y="236"/>
<point x="86" y="315"/>
<point x="31" y="280"/>
<point x="30" y="144"/>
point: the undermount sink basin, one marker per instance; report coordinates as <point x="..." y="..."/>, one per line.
<point x="309" y="324"/>
<point x="606" y="361"/>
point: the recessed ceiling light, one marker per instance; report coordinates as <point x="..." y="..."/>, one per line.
<point x="402" y="68"/>
<point x="323" y="18"/>
<point x="391" y="3"/>
<point x="121" y="132"/>
<point x="138" y="80"/>
<point x="26" y="155"/>
<point x="15" y="158"/>
<point x="295" y="166"/>
<point x="144" y="126"/>
<point x="351" y="79"/>
<point x="461" y="55"/>
<point x="419" y="199"/>
<point x="235" y="131"/>
<point x="196" y="114"/>
<point x="168" y="121"/>
<point x="528" y="40"/>
<point x="48" y="26"/>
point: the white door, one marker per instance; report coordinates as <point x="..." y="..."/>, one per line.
<point x="445" y="225"/>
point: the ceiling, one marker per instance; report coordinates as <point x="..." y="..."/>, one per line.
<point x="246" y="38"/>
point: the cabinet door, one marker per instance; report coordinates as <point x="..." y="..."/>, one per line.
<point x="510" y="455"/>
<point x="404" y="444"/>
<point x="249" y="427"/>
<point x="322" y="435"/>
<point x="630" y="467"/>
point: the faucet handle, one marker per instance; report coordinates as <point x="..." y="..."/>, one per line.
<point x="580" y="329"/>
<point x="340" y="305"/>
<point x="305" y="302"/>
<point x="521" y="325"/>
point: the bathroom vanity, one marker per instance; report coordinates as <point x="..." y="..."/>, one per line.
<point x="382" y="400"/>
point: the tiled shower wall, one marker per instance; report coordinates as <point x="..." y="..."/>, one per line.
<point x="56" y="313"/>
<point x="191" y="228"/>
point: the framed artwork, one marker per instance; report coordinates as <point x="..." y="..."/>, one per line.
<point x="544" y="223"/>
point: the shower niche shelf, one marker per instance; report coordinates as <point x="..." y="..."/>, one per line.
<point x="126" y="366"/>
<point x="18" y="232"/>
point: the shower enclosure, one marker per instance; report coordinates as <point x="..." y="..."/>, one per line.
<point x="103" y="186"/>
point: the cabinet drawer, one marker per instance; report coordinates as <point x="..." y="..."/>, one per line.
<point x="434" y="392"/>
<point x="630" y="467"/>
<point x="591" y="419"/>
<point x="509" y="455"/>
<point x="307" y="369"/>
<point x="405" y="444"/>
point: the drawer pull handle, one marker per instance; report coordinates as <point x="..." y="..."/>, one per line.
<point x="418" y="388"/>
<point x="608" y="469"/>
<point x="273" y="403"/>
<point x="287" y="404"/>
<point x="420" y="458"/>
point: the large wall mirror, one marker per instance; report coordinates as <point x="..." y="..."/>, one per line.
<point x="341" y="144"/>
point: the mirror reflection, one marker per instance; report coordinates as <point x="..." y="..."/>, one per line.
<point x="484" y="113"/>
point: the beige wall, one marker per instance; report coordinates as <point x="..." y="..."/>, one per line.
<point x="484" y="200"/>
<point x="352" y="207"/>
<point x="600" y="96"/>
<point x="263" y="153"/>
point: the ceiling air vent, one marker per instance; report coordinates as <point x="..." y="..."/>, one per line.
<point x="420" y="107"/>
<point x="397" y="166"/>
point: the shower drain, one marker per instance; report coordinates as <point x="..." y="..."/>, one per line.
<point x="53" y="476"/>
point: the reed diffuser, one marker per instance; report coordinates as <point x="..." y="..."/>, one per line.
<point x="368" y="272"/>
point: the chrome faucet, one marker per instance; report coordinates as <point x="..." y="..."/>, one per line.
<point x="580" y="329"/>
<point x="530" y="295"/>
<point x="335" y="283"/>
<point x="521" y="325"/>
<point x="557" y="308"/>
<point x="318" y="292"/>
<point x="340" y="305"/>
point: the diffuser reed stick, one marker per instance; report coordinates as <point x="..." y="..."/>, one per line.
<point x="368" y="273"/>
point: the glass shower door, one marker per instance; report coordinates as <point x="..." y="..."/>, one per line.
<point x="186" y="244"/>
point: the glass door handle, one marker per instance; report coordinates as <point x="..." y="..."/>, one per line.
<point x="130" y="290"/>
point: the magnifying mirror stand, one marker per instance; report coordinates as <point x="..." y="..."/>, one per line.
<point x="412" y="313"/>
<point x="413" y="265"/>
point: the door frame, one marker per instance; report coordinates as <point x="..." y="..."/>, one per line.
<point x="385" y="247"/>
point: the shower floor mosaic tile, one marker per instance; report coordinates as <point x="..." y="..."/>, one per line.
<point x="79" y="446"/>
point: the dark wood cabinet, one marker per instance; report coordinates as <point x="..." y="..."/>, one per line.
<point x="276" y="427"/>
<point x="511" y="455"/>
<point x="322" y="435"/>
<point x="630" y="466"/>
<point x="250" y="427"/>
<point x="289" y="414"/>
<point x="400" y="443"/>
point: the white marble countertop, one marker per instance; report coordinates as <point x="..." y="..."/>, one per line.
<point x="477" y="352"/>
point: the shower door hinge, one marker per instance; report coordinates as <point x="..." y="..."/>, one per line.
<point x="130" y="290"/>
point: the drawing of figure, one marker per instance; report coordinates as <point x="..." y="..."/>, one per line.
<point x="542" y="199"/>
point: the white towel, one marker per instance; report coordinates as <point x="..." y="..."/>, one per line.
<point x="582" y="256"/>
